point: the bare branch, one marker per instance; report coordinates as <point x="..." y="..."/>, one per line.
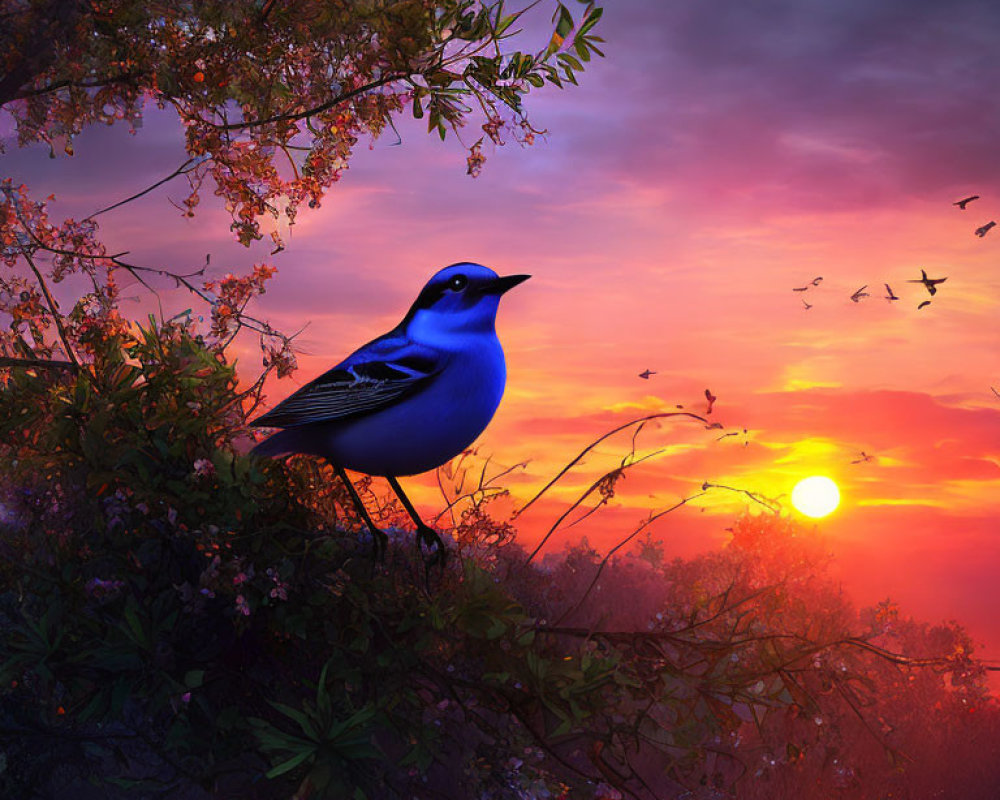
<point x="183" y="169"/>
<point x="600" y="568"/>
<point x="596" y="442"/>
<point x="771" y="504"/>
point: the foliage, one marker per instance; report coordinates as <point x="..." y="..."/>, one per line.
<point x="163" y="591"/>
<point x="273" y="96"/>
<point x="177" y="617"/>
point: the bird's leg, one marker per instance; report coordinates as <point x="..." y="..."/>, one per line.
<point x="425" y="533"/>
<point x="380" y="541"/>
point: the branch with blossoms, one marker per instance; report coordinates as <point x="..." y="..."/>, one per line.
<point x="74" y="248"/>
<point x="272" y="111"/>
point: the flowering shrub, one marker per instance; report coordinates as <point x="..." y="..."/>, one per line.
<point x="179" y="618"/>
<point x="163" y="591"/>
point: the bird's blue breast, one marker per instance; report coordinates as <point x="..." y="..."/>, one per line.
<point x="430" y="426"/>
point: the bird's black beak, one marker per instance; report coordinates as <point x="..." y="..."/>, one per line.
<point x="503" y="284"/>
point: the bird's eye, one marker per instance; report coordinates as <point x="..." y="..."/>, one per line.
<point x="458" y="283"/>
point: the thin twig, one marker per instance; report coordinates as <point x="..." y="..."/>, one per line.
<point x="618" y="473"/>
<point x="600" y="568"/>
<point x="183" y="169"/>
<point x="594" y="444"/>
<point x="771" y="504"/>
<point x="53" y="309"/>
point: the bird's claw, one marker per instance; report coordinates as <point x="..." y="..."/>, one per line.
<point x="380" y="546"/>
<point x="430" y="537"/>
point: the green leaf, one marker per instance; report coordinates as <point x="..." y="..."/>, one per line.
<point x="131" y="615"/>
<point x="563" y="20"/>
<point x="590" y="21"/>
<point x="563" y="728"/>
<point x="323" y="701"/>
<point x="505" y="23"/>
<point x="194" y="678"/>
<point x="290" y="764"/>
<point x="293" y="714"/>
<point x="570" y="59"/>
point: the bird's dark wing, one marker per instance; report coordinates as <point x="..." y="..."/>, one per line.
<point x="379" y="374"/>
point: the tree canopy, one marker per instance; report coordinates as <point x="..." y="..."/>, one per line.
<point x="273" y="95"/>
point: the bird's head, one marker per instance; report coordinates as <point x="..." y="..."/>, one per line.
<point x="462" y="298"/>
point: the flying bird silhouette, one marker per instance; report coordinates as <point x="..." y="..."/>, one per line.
<point x="889" y="295"/>
<point x="711" y="400"/>
<point x="807" y="305"/>
<point x="981" y="232"/>
<point x="925" y="303"/>
<point x="965" y="201"/>
<point x="813" y="282"/>
<point x="864" y="457"/>
<point x="646" y="373"/>
<point x="734" y="433"/>
<point x="856" y="297"/>
<point x="930" y="283"/>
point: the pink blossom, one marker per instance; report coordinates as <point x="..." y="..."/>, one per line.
<point x="204" y="468"/>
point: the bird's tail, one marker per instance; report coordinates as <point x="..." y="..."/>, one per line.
<point x="283" y="443"/>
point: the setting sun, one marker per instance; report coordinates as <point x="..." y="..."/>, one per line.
<point x="816" y="496"/>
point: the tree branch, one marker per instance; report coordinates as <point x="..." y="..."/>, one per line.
<point x="53" y="309"/>
<point x="39" y="363"/>
<point x="292" y="116"/>
<point x="95" y="83"/>
<point x="607" y="557"/>
<point x="592" y="445"/>
<point x="183" y="169"/>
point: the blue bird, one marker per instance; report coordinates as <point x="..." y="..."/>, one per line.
<point x="410" y="400"/>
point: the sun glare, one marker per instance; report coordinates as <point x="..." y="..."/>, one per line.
<point x="816" y="496"/>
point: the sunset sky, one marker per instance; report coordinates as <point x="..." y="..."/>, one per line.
<point x="720" y="155"/>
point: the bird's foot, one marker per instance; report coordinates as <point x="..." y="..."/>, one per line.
<point x="430" y="537"/>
